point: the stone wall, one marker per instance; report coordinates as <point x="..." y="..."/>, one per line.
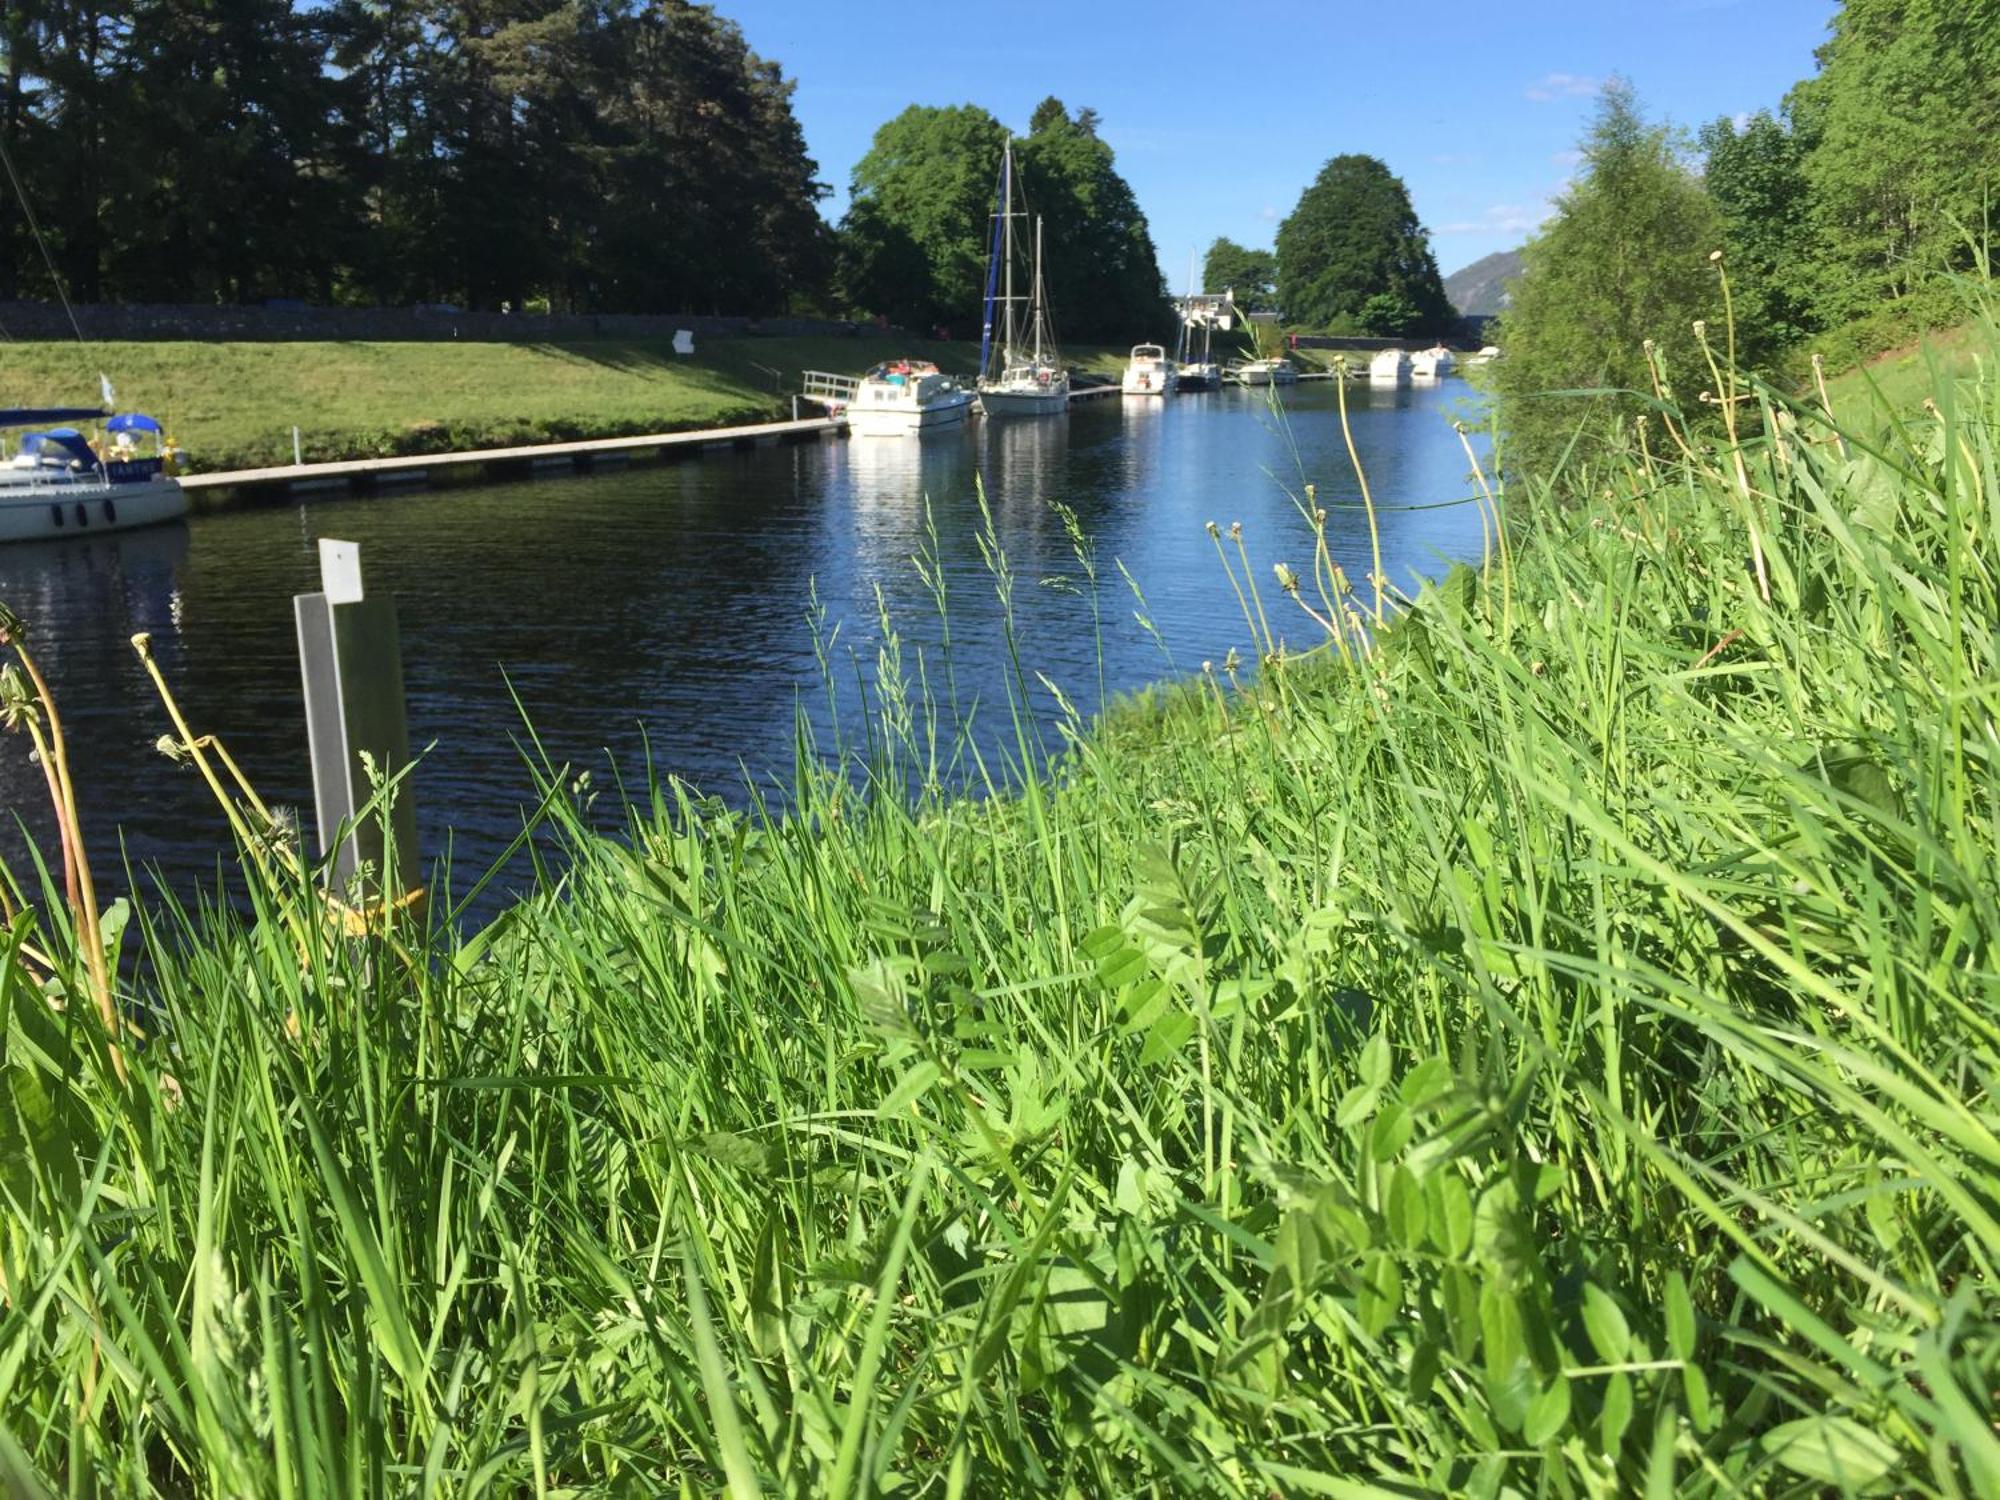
<point x="295" y="321"/>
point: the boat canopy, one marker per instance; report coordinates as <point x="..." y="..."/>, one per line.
<point x="58" y="441"/>
<point x="35" y="416"/>
<point x="132" y="421"/>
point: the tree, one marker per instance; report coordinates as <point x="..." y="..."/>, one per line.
<point x="1624" y="260"/>
<point x="1251" y="274"/>
<point x="926" y="183"/>
<point x="1756" y="175"/>
<point x="1101" y="267"/>
<point x="1902" y="126"/>
<point x="1353" y="237"/>
<point x="915" y="240"/>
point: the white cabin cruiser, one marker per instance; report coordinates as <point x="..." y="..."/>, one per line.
<point x="906" y="395"/>
<point x="1020" y="374"/>
<point x="1265" y="372"/>
<point x="58" y="483"/>
<point x="1431" y="363"/>
<point x="1389" y="367"/>
<point x="1149" y="372"/>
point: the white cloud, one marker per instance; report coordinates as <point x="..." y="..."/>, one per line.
<point x="1567" y="159"/>
<point x="1502" y="218"/>
<point x="1554" y="86"/>
<point x="1268" y="213"/>
<point x="1741" y="120"/>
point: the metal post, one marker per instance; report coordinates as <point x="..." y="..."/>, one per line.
<point x="297" y="456"/>
<point x="352" y="666"/>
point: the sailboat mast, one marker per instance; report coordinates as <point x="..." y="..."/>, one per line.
<point x="1007" y="210"/>
<point x="1038" y="289"/>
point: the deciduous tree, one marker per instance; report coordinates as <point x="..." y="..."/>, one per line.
<point x="1355" y="237"/>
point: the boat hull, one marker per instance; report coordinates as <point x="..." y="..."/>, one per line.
<point x="1149" y="384"/>
<point x="1197" y="377"/>
<point x="899" y="421"/>
<point x="49" y="512"/>
<point x="1038" y="403"/>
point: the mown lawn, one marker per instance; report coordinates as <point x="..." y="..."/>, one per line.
<point x="233" y="405"/>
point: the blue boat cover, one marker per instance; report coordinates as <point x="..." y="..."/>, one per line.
<point x="60" y="439"/>
<point x="132" y="421"/>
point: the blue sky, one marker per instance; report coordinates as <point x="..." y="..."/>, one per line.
<point x="1220" y="113"/>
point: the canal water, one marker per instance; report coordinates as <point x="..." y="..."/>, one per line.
<point x="681" y="614"/>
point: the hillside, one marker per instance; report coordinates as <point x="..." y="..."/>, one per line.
<point x="1480" y="289"/>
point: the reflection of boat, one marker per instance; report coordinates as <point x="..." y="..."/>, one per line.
<point x="1390" y="367"/>
<point x="1264" y="372"/>
<point x="906" y="395"/>
<point x="1149" y="372"/>
<point x="59" y="483"/>
<point x="1429" y="364"/>
<point x="1019" y="376"/>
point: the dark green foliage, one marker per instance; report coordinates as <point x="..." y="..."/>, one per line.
<point x="1624" y="262"/>
<point x="620" y="155"/>
<point x="1902" y="125"/>
<point x="915" y="242"/>
<point x="1253" y="274"/>
<point x="1756" y="175"/>
<point x="1354" y="239"/>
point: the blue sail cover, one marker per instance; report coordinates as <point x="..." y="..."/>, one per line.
<point x="993" y="267"/>
<point x="36" y="416"/>
<point x="132" y="421"/>
<point x="59" y="442"/>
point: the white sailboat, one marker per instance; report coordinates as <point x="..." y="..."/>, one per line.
<point x="1195" y="372"/>
<point x="1019" y="373"/>
<point x="59" y="482"/>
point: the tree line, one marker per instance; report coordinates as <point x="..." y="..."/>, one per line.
<point x="1847" y="220"/>
<point x="590" y="155"/>
<point x="595" y="154"/>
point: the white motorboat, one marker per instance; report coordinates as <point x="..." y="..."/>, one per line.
<point x="1431" y="363"/>
<point x="906" y="395"/>
<point x="1149" y="372"/>
<point x="1264" y="372"/>
<point x="1389" y="367"/>
<point x="60" y="483"/>
<point x="1486" y="355"/>
<point x="1020" y="372"/>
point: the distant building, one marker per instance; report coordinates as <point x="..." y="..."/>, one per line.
<point x="1209" y="309"/>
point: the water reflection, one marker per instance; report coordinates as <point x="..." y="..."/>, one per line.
<point x="668" y="608"/>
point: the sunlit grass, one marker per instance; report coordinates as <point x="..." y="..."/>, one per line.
<point x="233" y="405"/>
<point x="1542" y="1045"/>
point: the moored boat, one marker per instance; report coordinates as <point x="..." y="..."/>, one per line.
<point x="1264" y="372"/>
<point x="60" y="483"/>
<point x="1149" y="372"/>
<point x="1020" y="373"/>
<point x="906" y="395"/>
<point x="1194" y="371"/>
<point x="1389" y="367"/>
<point x="1431" y="363"/>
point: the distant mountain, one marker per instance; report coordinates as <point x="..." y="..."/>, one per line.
<point x="1480" y="290"/>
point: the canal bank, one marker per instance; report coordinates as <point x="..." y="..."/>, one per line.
<point x="235" y="405"/>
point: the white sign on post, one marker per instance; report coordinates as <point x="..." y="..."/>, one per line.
<point x="340" y="571"/>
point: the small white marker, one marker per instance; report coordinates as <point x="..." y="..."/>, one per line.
<point x="340" y="571"/>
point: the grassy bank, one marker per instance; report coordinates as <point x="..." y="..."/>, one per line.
<point x="1549" y="1051"/>
<point x="233" y="405"/>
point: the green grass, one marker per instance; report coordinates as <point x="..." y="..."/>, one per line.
<point x="233" y="405"/>
<point x="1897" y="383"/>
<point x="1546" y="1049"/>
